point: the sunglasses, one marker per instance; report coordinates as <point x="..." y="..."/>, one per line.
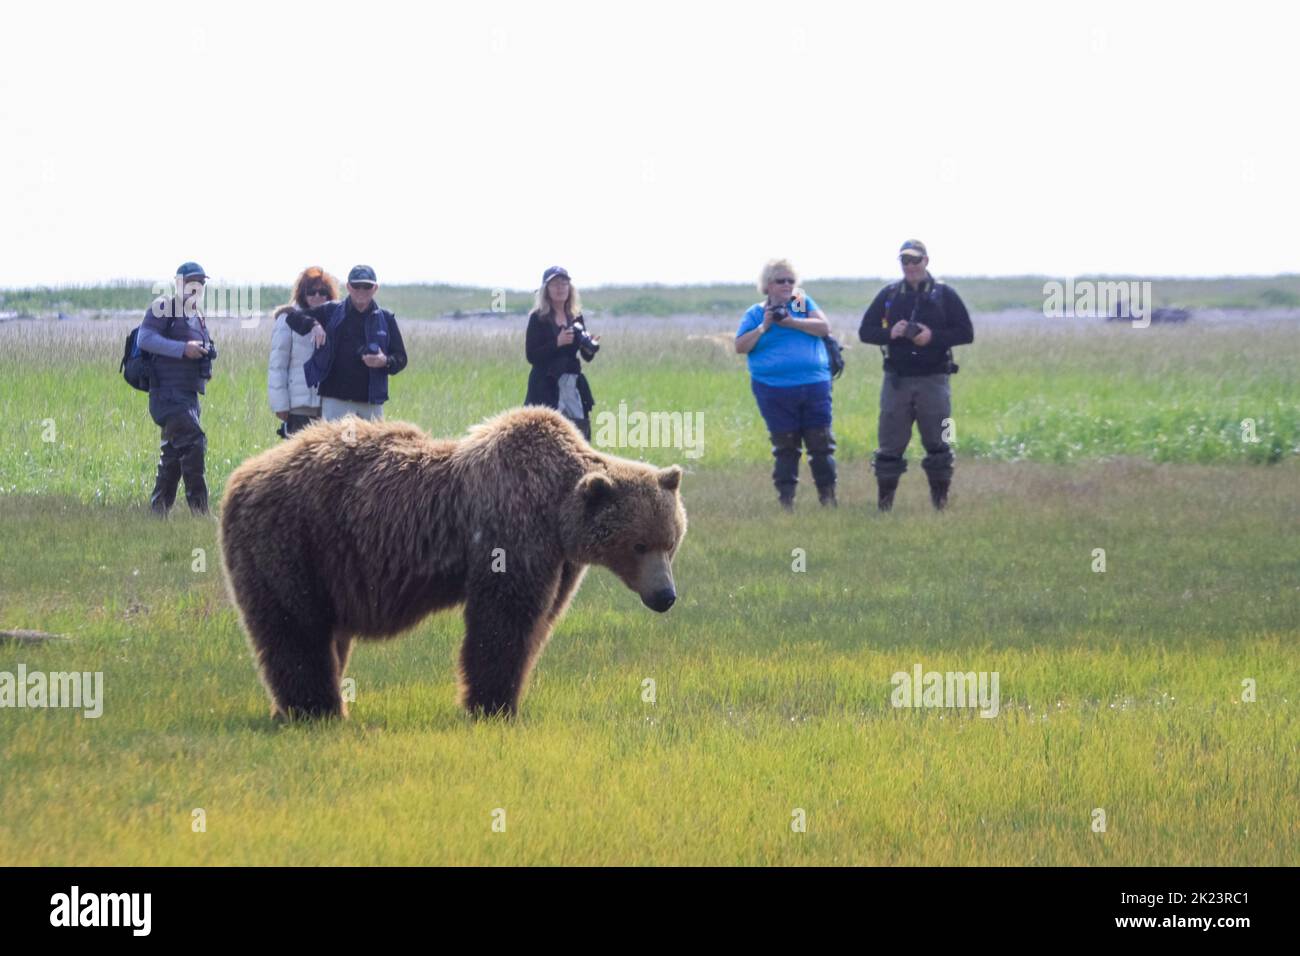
<point x="911" y="260"/>
<point x="361" y="285"/>
<point x="324" y="292"/>
<point x="783" y="282"/>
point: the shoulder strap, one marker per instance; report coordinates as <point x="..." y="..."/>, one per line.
<point x="893" y="290"/>
<point x="936" y="296"/>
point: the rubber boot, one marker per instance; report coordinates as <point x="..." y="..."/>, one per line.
<point x="164" y="487"/>
<point x="887" y="487"/>
<point x="821" y="461"/>
<point x="196" y="488"/>
<point x="939" y="494"/>
<point x="785" y="470"/>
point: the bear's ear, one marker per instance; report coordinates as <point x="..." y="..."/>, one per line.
<point x="596" y="490"/>
<point x="670" y="478"/>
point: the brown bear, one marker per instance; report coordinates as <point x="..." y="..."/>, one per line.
<point x="360" y="529"/>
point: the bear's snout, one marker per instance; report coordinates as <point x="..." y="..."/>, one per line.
<point x="661" y="600"/>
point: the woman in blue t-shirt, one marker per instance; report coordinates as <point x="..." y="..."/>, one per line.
<point x="790" y="374"/>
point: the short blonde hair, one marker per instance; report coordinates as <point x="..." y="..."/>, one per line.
<point x="772" y="268"/>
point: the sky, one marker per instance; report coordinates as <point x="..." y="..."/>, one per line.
<point x="645" y="143"/>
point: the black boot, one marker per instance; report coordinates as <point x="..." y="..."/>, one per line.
<point x="939" y="494"/>
<point x="820" y="443"/>
<point x="887" y="488"/>
<point x="196" y="488"/>
<point x="785" y="469"/>
<point x="164" y="486"/>
<point x="196" y="494"/>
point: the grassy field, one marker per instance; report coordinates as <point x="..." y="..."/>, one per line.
<point x="1120" y="691"/>
<point x="1058" y="391"/>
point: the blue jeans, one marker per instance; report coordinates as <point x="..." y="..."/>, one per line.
<point x="795" y="415"/>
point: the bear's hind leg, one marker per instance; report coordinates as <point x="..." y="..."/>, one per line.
<point x="301" y="668"/>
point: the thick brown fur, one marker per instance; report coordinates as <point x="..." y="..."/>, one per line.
<point x="358" y="529"/>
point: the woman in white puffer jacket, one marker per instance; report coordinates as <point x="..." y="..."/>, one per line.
<point x="294" y="402"/>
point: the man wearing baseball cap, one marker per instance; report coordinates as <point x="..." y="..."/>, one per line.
<point x="916" y="323"/>
<point x="176" y="335"/>
<point x="358" y="345"/>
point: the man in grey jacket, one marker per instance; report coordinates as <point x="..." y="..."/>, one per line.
<point x="175" y="334"/>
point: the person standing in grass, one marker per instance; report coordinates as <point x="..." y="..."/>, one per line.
<point x="916" y="323"/>
<point x="175" y="334"/>
<point x="790" y="375"/>
<point x="358" y="346"/>
<point x="295" y="402"/>
<point x="556" y="336"/>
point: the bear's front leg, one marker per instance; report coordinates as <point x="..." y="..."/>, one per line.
<point x="506" y="625"/>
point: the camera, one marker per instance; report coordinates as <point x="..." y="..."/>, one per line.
<point x="913" y="330"/>
<point x="586" y="344"/>
<point x="370" y="348"/>
<point x="782" y="312"/>
<point x="206" y="359"/>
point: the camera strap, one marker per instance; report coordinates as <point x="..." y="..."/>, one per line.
<point x="897" y="289"/>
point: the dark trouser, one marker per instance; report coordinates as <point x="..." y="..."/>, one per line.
<point x="176" y="412"/>
<point x="584" y="423"/>
<point x="925" y="400"/>
<point x="795" y="415"/>
<point x="295" y="423"/>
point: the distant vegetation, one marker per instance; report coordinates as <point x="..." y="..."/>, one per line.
<point x="843" y="296"/>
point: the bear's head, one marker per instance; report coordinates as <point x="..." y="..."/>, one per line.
<point x="629" y="518"/>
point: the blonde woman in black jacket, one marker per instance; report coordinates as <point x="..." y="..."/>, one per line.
<point x="556" y="336"/>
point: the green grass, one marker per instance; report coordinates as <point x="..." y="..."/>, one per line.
<point x="1120" y="690"/>
<point x="1062" y="391"/>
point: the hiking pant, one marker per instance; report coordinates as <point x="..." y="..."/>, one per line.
<point x="181" y="454"/>
<point x="925" y="400"/>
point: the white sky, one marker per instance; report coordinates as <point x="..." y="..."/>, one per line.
<point x="666" y="142"/>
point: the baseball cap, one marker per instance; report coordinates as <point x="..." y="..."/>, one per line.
<point x="914" y="246"/>
<point x="191" y="270"/>
<point x="554" y="271"/>
<point x="362" y="274"/>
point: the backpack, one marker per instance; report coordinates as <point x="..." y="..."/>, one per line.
<point x="136" y="364"/>
<point x="835" y="353"/>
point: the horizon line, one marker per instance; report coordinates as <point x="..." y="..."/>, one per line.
<point x="123" y="282"/>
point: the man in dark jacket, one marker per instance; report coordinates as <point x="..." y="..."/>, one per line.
<point x="916" y="322"/>
<point x="358" y="345"/>
<point x="175" y="334"/>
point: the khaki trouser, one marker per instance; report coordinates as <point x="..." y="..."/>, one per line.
<point x="925" y="400"/>
<point x="332" y="409"/>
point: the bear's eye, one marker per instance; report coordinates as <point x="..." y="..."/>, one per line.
<point x="640" y="549"/>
